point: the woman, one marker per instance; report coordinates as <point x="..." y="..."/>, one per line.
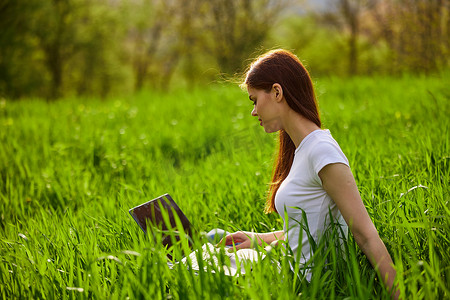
<point x="311" y="172"/>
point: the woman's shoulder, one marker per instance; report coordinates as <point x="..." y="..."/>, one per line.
<point x="320" y="145"/>
<point x="318" y="138"/>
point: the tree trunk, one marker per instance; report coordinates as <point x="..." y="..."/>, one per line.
<point x="350" y="13"/>
<point x="353" y="49"/>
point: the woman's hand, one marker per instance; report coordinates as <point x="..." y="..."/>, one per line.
<point x="245" y="239"/>
<point x="239" y="239"/>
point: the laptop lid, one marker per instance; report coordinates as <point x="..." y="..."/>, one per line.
<point x="149" y="215"/>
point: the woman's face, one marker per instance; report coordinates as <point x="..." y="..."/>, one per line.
<point x="266" y="108"/>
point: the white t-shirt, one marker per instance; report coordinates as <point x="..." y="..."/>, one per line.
<point x="303" y="189"/>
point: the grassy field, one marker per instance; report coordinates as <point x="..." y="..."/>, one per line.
<point x="70" y="170"/>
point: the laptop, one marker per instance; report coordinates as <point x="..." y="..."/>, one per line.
<point x="160" y="212"/>
<point x="150" y="215"/>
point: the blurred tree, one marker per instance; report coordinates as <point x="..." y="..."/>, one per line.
<point x="154" y="40"/>
<point x="416" y="32"/>
<point x="189" y="26"/>
<point x="97" y="68"/>
<point x="54" y="24"/>
<point x="237" y="28"/>
<point x="19" y="64"/>
<point x="346" y="16"/>
<point x="144" y="33"/>
<point x="163" y="34"/>
<point x="318" y="46"/>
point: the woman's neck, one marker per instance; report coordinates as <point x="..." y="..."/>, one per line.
<point x="298" y="127"/>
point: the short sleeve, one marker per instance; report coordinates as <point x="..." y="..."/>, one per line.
<point x="325" y="153"/>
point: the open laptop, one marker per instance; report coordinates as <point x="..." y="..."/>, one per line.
<point x="150" y="215"/>
<point x="160" y="213"/>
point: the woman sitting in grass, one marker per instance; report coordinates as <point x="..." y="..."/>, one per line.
<point x="311" y="171"/>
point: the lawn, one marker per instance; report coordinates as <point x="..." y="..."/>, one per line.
<point x="71" y="169"/>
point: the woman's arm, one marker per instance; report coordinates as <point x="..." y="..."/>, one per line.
<point x="244" y="239"/>
<point x="338" y="182"/>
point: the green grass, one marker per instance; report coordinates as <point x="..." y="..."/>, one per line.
<point x="70" y="170"/>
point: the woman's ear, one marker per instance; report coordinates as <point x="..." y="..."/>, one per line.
<point x="278" y="90"/>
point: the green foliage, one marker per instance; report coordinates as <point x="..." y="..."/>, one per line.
<point x="64" y="48"/>
<point x="324" y="49"/>
<point x="70" y="170"/>
<point x="55" y="48"/>
<point x="17" y="51"/>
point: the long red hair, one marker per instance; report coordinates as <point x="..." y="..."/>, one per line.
<point x="283" y="67"/>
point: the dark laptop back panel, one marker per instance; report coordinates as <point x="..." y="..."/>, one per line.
<point x="149" y="215"/>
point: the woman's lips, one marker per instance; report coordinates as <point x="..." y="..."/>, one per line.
<point x="260" y="122"/>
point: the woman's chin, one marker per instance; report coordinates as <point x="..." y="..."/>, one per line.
<point x="270" y="130"/>
<point x="270" y="127"/>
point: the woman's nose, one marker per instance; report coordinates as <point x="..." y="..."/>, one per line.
<point x="254" y="113"/>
